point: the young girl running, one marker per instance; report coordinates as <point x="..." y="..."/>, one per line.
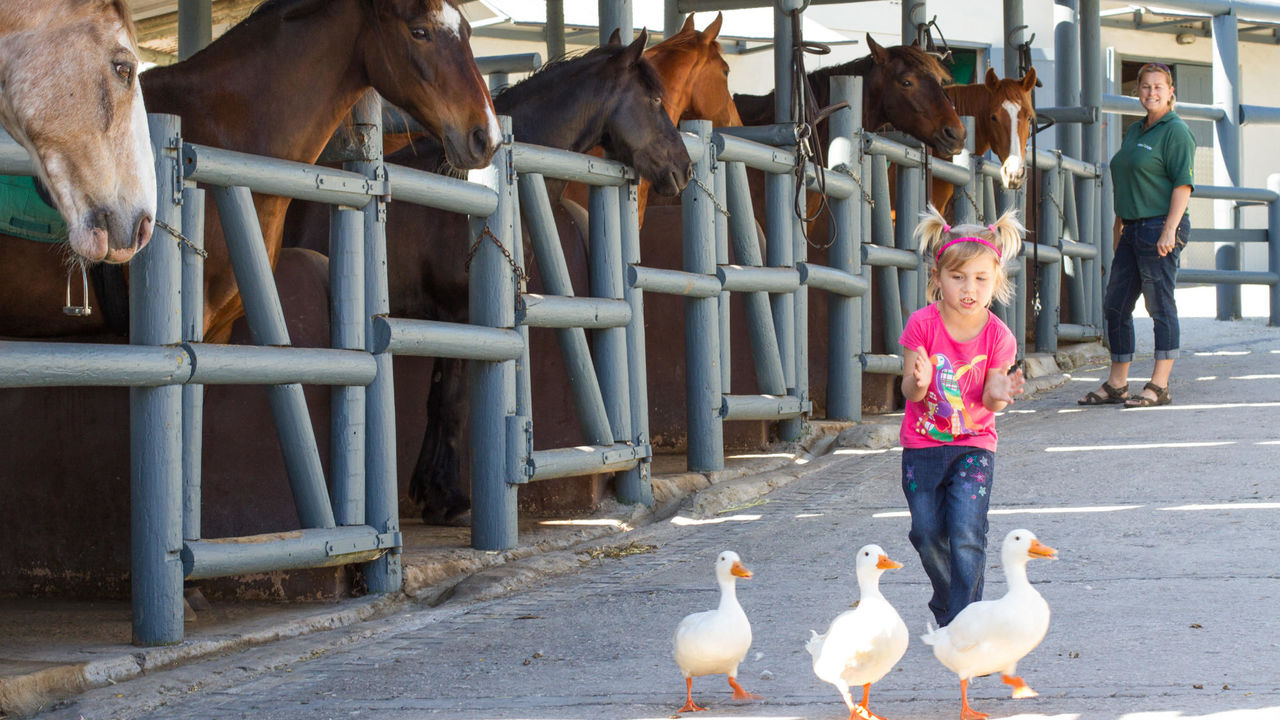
<point x="957" y="360"/>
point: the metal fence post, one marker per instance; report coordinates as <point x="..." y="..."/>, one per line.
<point x="155" y="414"/>
<point x="702" y="337"/>
<point x="606" y="282"/>
<point x="844" y="334"/>
<point x="493" y="385"/>
<point x="192" y="331"/>
<point x="1050" y="273"/>
<point x="634" y="485"/>
<point x="1273" y="250"/>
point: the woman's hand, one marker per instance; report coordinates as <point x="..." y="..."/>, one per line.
<point x="1168" y="238"/>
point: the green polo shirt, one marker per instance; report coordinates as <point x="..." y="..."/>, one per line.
<point x="1150" y="164"/>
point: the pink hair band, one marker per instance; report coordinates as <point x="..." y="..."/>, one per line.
<point x="988" y="243"/>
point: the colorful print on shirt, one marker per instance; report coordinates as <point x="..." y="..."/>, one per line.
<point x="946" y="417"/>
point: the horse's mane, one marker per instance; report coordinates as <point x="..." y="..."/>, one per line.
<point x="570" y="62"/>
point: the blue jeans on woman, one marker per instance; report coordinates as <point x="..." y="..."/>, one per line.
<point x="948" y="491"/>
<point x="1138" y="269"/>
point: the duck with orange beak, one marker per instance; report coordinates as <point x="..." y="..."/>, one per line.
<point x="714" y="642"/>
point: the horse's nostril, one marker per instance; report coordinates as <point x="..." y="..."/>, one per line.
<point x="142" y="233"/>
<point x="479" y="141"/>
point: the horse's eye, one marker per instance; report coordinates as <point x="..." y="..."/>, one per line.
<point x="657" y="101"/>
<point x="124" y="71"/>
<point x="420" y="33"/>
<point x="906" y="83"/>
<point x="995" y="118"/>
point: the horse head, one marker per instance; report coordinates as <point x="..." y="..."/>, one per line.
<point x="695" y="75"/>
<point x="904" y="89"/>
<point x="445" y="90"/>
<point x="637" y="130"/>
<point x="69" y="72"/>
<point x="1005" y="123"/>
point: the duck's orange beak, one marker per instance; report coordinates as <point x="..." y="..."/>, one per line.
<point x="740" y="570"/>
<point x="884" y="563"/>
<point x="1040" y="550"/>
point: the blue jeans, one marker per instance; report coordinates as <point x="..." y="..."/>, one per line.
<point x="948" y="491"/>
<point x="1138" y="269"/>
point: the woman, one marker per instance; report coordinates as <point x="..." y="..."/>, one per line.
<point x="1152" y="176"/>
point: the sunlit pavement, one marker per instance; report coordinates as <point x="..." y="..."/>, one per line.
<point x="1164" y="597"/>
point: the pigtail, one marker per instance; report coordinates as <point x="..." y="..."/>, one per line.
<point x="930" y="233"/>
<point x="1006" y="234"/>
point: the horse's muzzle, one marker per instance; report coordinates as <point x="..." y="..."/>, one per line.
<point x="949" y="140"/>
<point x="109" y="239"/>
<point x="469" y="151"/>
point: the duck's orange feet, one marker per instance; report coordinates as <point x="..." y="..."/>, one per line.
<point x="740" y="694"/>
<point x="689" y="706"/>
<point x="1020" y="688"/>
<point x="966" y="712"/>
<point x="865" y="706"/>
<point x="860" y="712"/>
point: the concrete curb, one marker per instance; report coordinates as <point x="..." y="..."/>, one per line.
<point x="471" y="577"/>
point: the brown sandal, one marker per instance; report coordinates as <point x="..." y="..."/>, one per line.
<point x="1140" y="400"/>
<point x="1113" y="396"/>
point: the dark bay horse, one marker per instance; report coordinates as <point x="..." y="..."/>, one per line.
<point x="902" y="88"/>
<point x="279" y="84"/>
<point x="69" y="94"/>
<point x="610" y="96"/>
<point x="1002" y="112"/>
<point x="695" y="77"/>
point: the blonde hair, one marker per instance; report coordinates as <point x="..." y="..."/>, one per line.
<point x="1001" y="239"/>
<point x="1155" y="67"/>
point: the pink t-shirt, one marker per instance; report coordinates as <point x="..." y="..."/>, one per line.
<point x="952" y="411"/>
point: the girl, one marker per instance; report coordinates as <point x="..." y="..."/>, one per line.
<point x="957" y="360"/>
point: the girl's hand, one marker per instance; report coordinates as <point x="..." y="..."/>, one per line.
<point x="1001" y="389"/>
<point x="923" y="369"/>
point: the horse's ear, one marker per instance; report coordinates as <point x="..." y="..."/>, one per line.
<point x="878" y="52"/>
<point x="616" y="37"/>
<point x="635" y="50"/>
<point x="712" y="31"/>
<point x="1029" y="80"/>
<point x="991" y="80"/>
<point x="688" y="24"/>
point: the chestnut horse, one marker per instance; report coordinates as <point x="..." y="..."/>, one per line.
<point x="279" y="84"/>
<point x="610" y="96"/>
<point x="695" y="78"/>
<point x="902" y="88"/>
<point x="69" y="94"/>
<point x="1002" y="113"/>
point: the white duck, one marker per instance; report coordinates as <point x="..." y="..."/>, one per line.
<point x="993" y="635"/>
<point x="716" y="641"/>
<point x="862" y="645"/>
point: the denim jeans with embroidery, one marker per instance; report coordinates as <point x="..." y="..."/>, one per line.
<point x="948" y="490"/>
<point x="1138" y="269"/>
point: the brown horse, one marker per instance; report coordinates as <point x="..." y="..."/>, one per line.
<point x="247" y="92"/>
<point x="902" y="88"/>
<point x="1002" y="113"/>
<point x="607" y="97"/>
<point x="695" y="80"/>
<point x="69" y="94"/>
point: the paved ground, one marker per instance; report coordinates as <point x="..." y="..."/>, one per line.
<point x="1163" y="601"/>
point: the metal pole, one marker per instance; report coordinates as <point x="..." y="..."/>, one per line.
<point x="555" y="30"/>
<point x="266" y="325"/>
<point x="844" y="334"/>
<point x="913" y="283"/>
<point x="634" y="485"/>
<point x="195" y="26"/>
<point x="1012" y="19"/>
<point x="1093" y="226"/>
<point x="770" y="377"/>
<point x="913" y="15"/>
<point x="192" y="331"/>
<point x="155" y="416"/>
<point x="793" y="428"/>
<point x="606" y="282"/>
<point x="720" y="173"/>
<point x="346" y="329"/>
<point x="1273" y="247"/>
<point x="493" y="386"/>
<point x="672" y="19"/>
<point x="882" y="234"/>
<point x="1226" y="156"/>
<point x="616" y="15"/>
<point x="1066" y="53"/>
<point x="702" y="352"/>
<point x="382" y="492"/>
<point x="1050" y="273"/>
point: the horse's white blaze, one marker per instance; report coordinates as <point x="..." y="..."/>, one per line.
<point x="1011" y="170"/>
<point x="450" y="19"/>
<point x="495" y="130"/>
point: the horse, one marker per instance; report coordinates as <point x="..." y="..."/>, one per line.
<point x="902" y="88"/>
<point x="695" y="77"/>
<point x="611" y="96"/>
<point x="246" y="92"/>
<point x="69" y="94"/>
<point x="1002" y="112"/>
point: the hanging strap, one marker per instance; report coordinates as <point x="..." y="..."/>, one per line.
<point x="806" y="116"/>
